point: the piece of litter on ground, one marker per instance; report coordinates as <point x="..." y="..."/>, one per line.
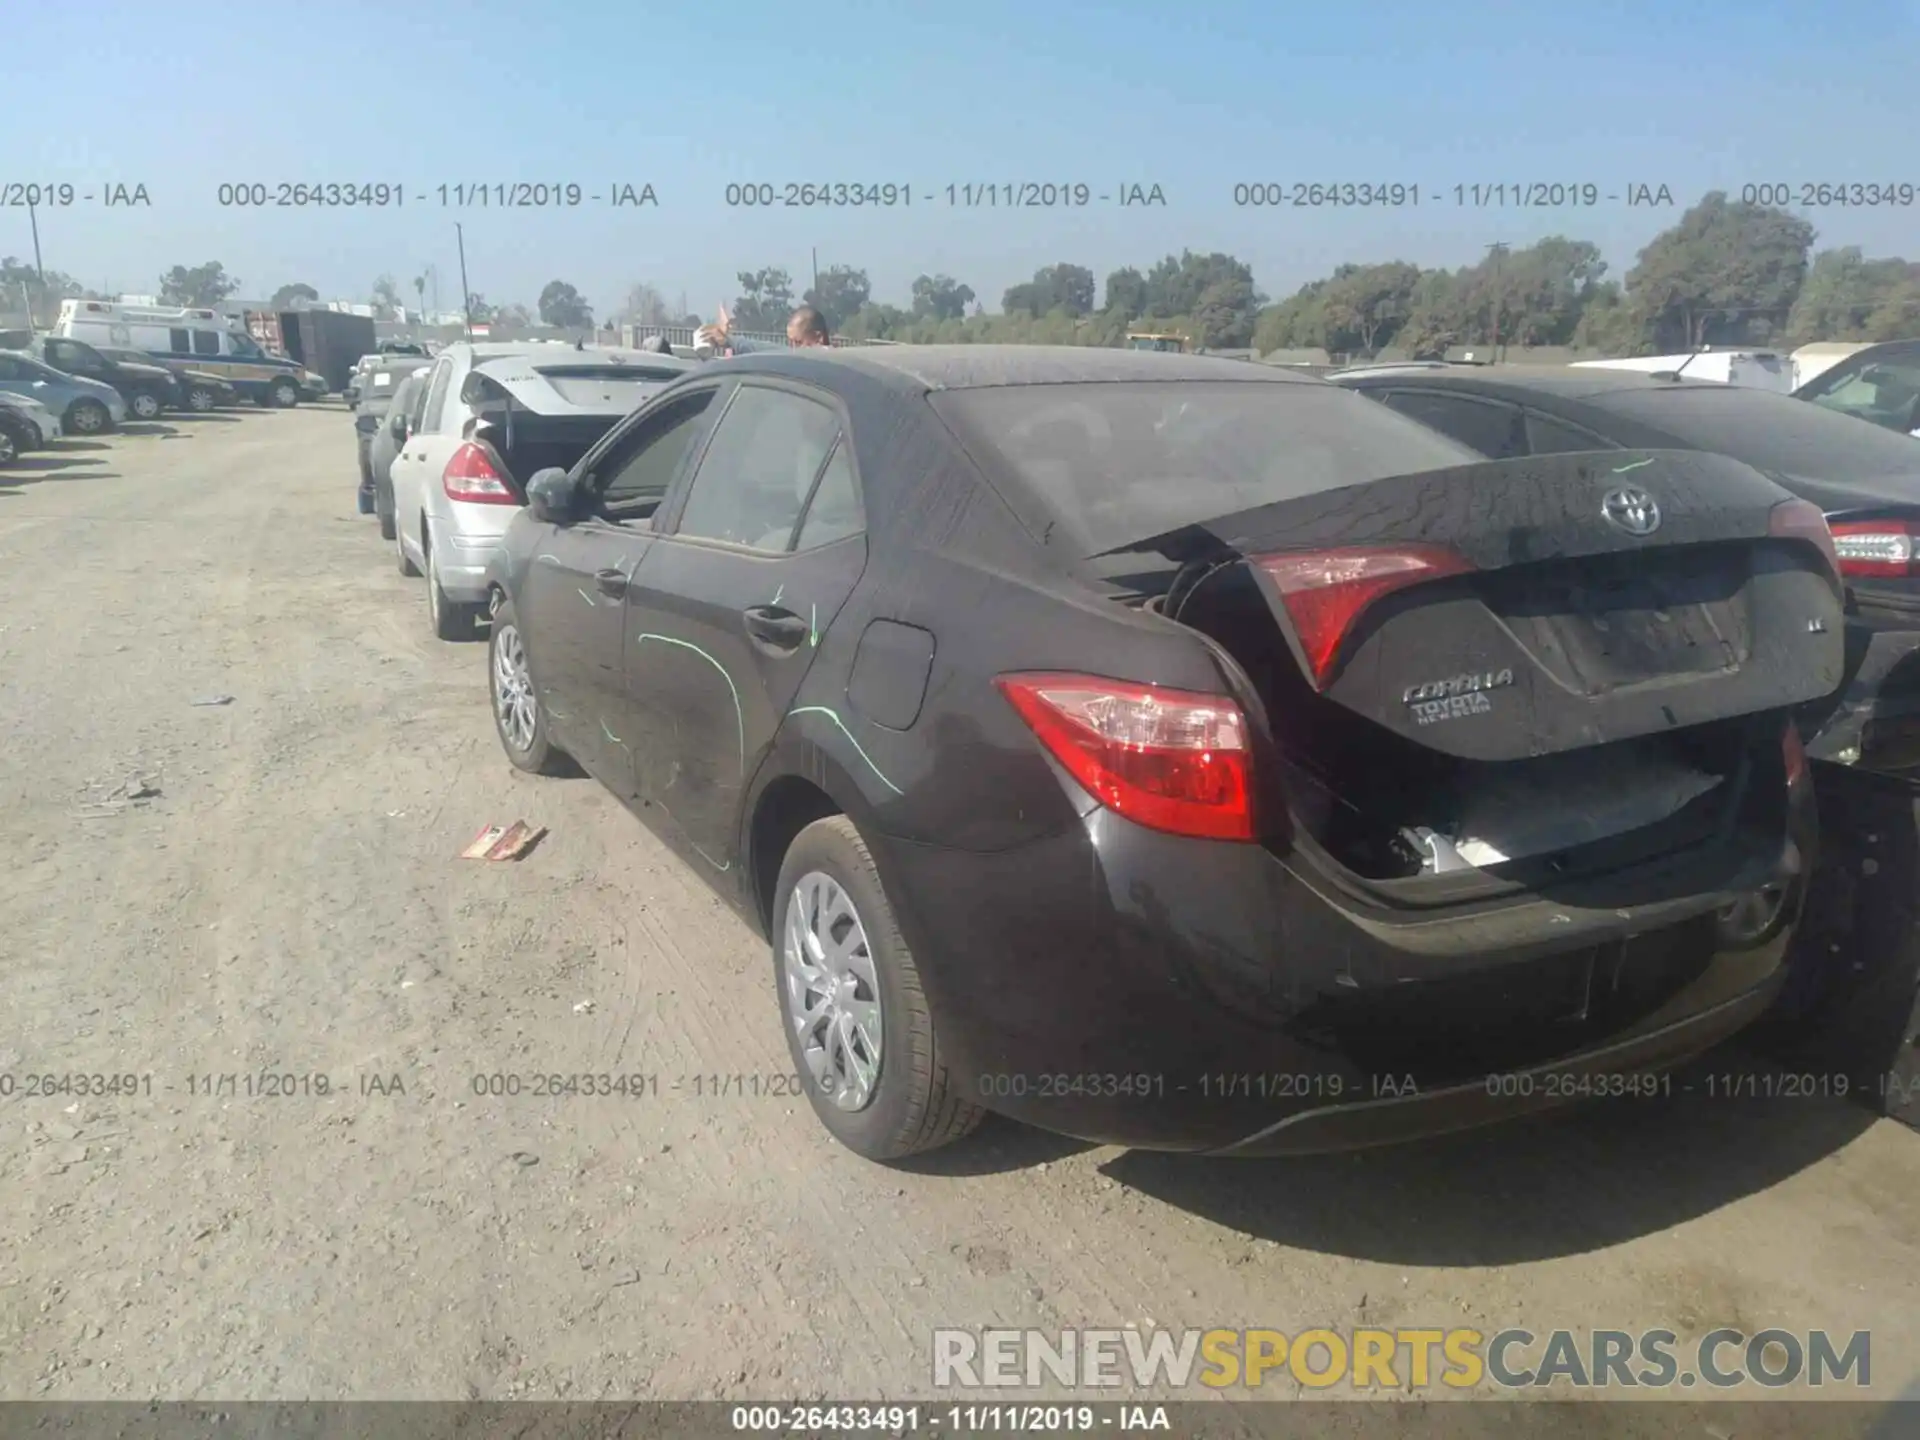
<point x="214" y="700"/>
<point x="585" y="1007"/>
<point x="504" y="842"/>
<point x="395" y="814"/>
<point x="489" y="835"/>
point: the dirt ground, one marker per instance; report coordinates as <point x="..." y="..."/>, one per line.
<point x="287" y="902"/>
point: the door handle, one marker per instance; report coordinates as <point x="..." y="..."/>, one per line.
<point x="611" y="582"/>
<point x="774" y="626"/>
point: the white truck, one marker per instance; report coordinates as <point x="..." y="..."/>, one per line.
<point x="1756" y="369"/>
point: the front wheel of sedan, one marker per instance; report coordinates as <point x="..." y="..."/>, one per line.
<point x="145" y="406"/>
<point x="88" y="417"/>
<point x="517" y="714"/>
<point x="285" y="394"/>
<point x="858" y="1024"/>
<point x="201" y="400"/>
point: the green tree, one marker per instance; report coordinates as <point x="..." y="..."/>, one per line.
<point x="199" y="285"/>
<point x="1842" y="292"/>
<point x="478" y="310"/>
<point x="940" y="297"/>
<point x="1728" y="271"/>
<point x="1364" y="306"/>
<point x="289" y="297"/>
<point x="1126" y="294"/>
<point x="562" y="307"/>
<point x="645" y="306"/>
<point x="766" y="299"/>
<point x="838" y="295"/>
<point x="1064" y="287"/>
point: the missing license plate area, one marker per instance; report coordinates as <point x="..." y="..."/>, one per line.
<point x="1598" y="625"/>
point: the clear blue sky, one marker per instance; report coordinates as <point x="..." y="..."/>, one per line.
<point x="689" y="98"/>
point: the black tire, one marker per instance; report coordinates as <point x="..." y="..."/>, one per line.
<point x="916" y="1106"/>
<point x="541" y="756"/>
<point x="383" y="508"/>
<point x="284" y="394"/>
<point x="451" y="620"/>
<point x="200" y="400"/>
<point x="145" y="405"/>
<point x="87" y="417"/>
<point x="9" y="451"/>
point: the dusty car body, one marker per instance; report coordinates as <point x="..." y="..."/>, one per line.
<point x="1204" y="757"/>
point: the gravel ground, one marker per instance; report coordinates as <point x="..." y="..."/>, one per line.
<point x="268" y="887"/>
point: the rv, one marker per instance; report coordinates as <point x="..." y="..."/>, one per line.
<point x="199" y="336"/>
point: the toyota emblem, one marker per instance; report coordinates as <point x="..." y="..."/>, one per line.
<point x="1631" y="510"/>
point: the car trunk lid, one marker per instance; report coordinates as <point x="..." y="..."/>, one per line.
<point x="1522" y="608"/>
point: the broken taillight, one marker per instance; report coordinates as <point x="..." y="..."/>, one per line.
<point x="1878" y="549"/>
<point x="1802" y="520"/>
<point x="471" y="476"/>
<point x="1171" y="760"/>
<point x="1327" y="591"/>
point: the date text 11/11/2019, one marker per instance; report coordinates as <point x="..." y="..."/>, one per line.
<point x="1391" y="195"/>
<point x="460" y="195"/>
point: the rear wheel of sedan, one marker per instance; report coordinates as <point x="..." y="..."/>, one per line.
<point x="145" y="406"/>
<point x="9" y="451"/>
<point x="200" y="399"/>
<point x="858" y="1023"/>
<point x="88" y="417"/>
<point x="517" y="715"/>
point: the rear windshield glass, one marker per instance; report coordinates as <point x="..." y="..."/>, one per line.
<point x="1767" y="431"/>
<point x="1122" y="462"/>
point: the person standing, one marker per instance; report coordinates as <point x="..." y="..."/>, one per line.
<point x="806" y="328"/>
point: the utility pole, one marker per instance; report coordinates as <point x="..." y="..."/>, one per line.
<point x="816" y="270"/>
<point x="33" y="219"/>
<point x="466" y="294"/>
<point x="1494" y="252"/>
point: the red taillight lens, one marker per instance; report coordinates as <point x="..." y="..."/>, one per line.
<point x="1878" y="549"/>
<point x="1171" y="760"/>
<point x="1327" y="591"/>
<point x="1795" y="755"/>
<point x="1803" y="520"/>
<point x="470" y="475"/>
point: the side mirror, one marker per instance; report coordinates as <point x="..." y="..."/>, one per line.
<point x="554" y="497"/>
<point x="397" y="427"/>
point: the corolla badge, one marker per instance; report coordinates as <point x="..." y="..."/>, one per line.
<point x="1631" y="509"/>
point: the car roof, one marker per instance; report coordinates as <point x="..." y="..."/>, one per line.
<point x="974" y="367"/>
<point x="1566" y="381"/>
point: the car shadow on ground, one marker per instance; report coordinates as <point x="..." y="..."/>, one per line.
<point x="1553" y="1185"/>
<point x="66" y="443"/>
<point x="151" y="427"/>
<point x="30" y="469"/>
<point x="207" y="417"/>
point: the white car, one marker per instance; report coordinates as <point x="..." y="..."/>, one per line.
<point x="495" y="413"/>
<point x="44" y="420"/>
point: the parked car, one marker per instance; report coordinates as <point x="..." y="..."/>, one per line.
<point x="1880" y="383"/>
<point x="85" y="407"/>
<point x="18" y="432"/>
<point x="400" y="421"/>
<point x="1867" y="480"/>
<point x="350" y="392"/>
<point x="42" y="425"/>
<point x="495" y="413"/>
<point x="382" y="384"/>
<point x="1101" y="737"/>
<point x="200" y="390"/>
<point x="148" y="389"/>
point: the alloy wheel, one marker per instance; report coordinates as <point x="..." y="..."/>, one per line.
<point x="200" y="400"/>
<point x="9" y="452"/>
<point x="833" y="991"/>
<point x="146" y="407"/>
<point x="89" y="418"/>
<point x="513" y="698"/>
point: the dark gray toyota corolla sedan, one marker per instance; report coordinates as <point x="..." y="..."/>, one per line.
<point x="1176" y="752"/>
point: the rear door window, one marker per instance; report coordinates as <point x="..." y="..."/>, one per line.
<point x="205" y="342"/>
<point x="834" y="512"/>
<point x="437" y="396"/>
<point x="759" y="469"/>
<point x="180" y="341"/>
<point x="1491" y="427"/>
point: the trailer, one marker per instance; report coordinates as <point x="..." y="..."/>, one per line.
<point x="327" y="342"/>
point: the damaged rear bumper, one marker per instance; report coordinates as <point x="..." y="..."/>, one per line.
<point x="1129" y="987"/>
<point x="1874" y="722"/>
